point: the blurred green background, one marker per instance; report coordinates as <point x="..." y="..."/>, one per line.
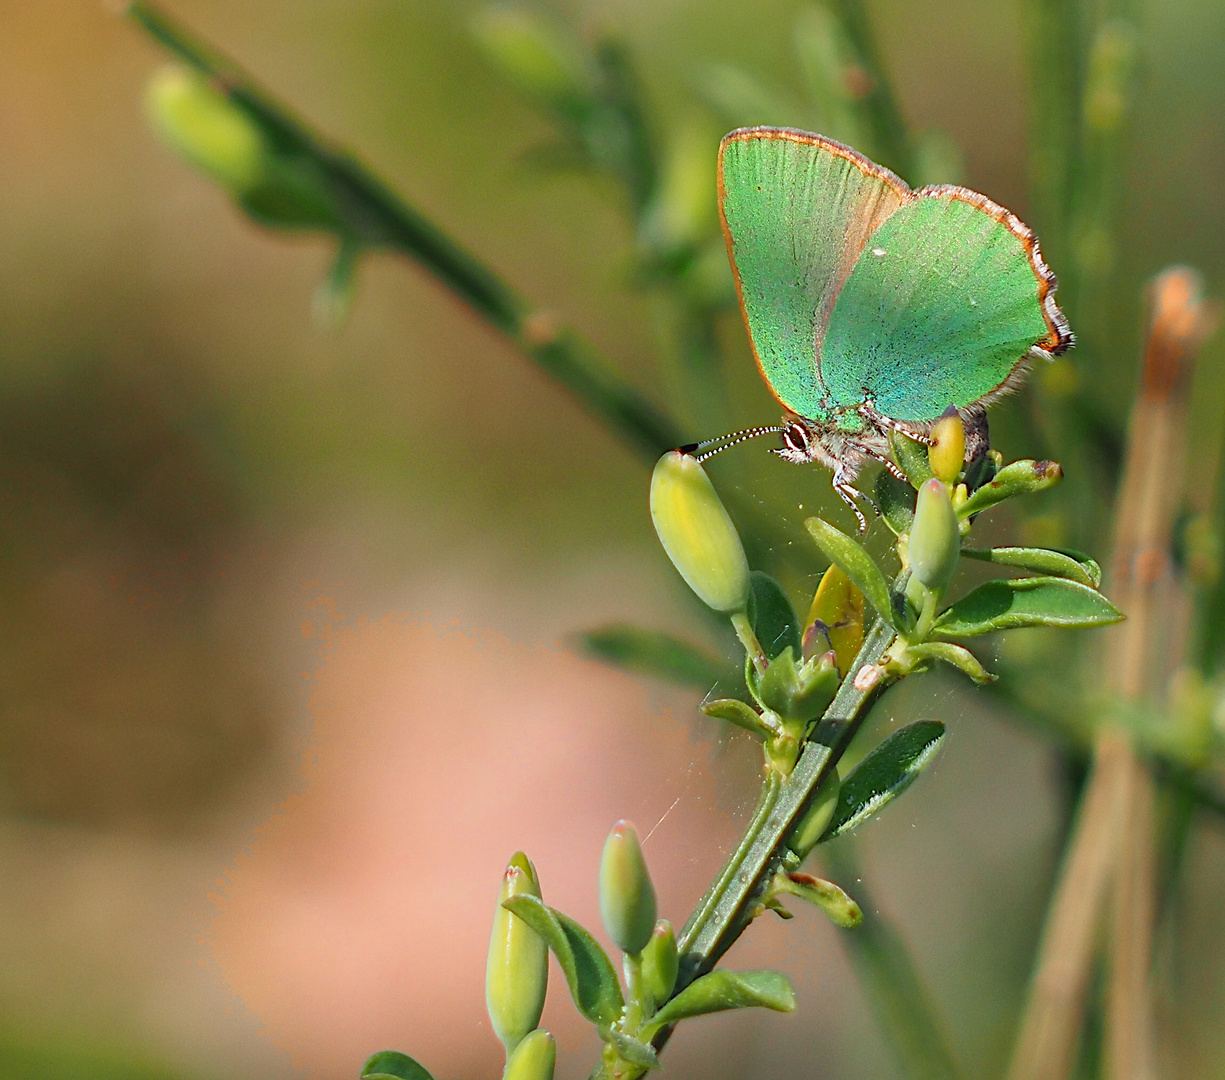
<point x="288" y="610"/>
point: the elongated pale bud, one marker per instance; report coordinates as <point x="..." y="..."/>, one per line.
<point x="517" y="970"/>
<point x="533" y="1058"/>
<point x="697" y="533"/>
<point x="627" y="897"/>
<point x="199" y="122"/>
<point x="947" y="451"/>
<point x="935" y="538"/>
<point x="813" y="824"/>
<point x="660" y="964"/>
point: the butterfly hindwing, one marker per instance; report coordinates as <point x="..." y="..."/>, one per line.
<point x="797" y="210"/>
<point x="944" y="303"/>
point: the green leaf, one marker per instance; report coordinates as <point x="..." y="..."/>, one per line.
<point x="589" y="973"/>
<point x="1048" y="561"/>
<point x="960" y="658"/>
<point x="841" y="909"/>
<point x="1037" y="601"/>
<point x="1016" y="478"/>
<point x="735" y="711"/>
<point x="911" y="457"/>
<point x="772" y="617"/>
<point x="722" y="990"/>
<point x="894" y="988"/>
<point x="884" y="774"/>
<point x="856" y="563"/>
<point x="654" y="653"/>
<point x="392" y="1065"/>
<point x="896" y="500"/>
<point x="633" y="1051"/>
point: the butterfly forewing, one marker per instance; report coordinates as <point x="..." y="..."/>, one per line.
<point x="797" y="210"/>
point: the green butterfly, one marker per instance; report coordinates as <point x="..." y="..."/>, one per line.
<point x="873" y="307"/>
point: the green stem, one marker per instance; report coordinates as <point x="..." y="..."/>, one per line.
<point x="748" y="638"/>
<point x="631" y="1019"/>
<point x="724" y="912"/>
<point x="891" y="140"/>
<point x="895" y="989"/>
<point x="377" y="217"/>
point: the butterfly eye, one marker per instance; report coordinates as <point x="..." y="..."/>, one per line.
<point x="795" y="438"/>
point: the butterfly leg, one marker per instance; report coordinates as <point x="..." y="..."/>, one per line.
<point x="886" y="461"/>
<point x="848" y="493"/>
<point x="886" y="423"/>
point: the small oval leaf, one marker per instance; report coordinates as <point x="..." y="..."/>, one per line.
<point x="956" y="655"/>
<point x="896" y="500"/>
<point x="392" y="1065"/>
<point x="722" y="990"/>
<point x="633" y="1051"/>
<point x="911" y="456"/>
<point x="884" y="774"/>
<point x="654" y="653"/>
<point x="589" y="973"/>
<point x="773" y="619"/>
<point x="830" y="898"/>
<point x="1016" y="478"/>
<point x="735" y="711"/>
<point x="1037" y="601"/>
<point x="856" y="563"/>
<point x="1048" y="561"/>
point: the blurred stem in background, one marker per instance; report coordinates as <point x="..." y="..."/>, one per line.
<point x="1115" y="834"/>
<point x="363" y="212"/>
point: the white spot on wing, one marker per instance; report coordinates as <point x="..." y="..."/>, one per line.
<point x="879" y="252"/>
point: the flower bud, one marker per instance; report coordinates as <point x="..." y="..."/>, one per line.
<point x="697" y="533"/>
<point x="533" y="1058"/>
<point x="805" y="835"/>
<point x="935" y="538"/>
<point x="517" y="970"/>
<point x="200" y="123"/>
<point x="627" y="897"/>
<point x="947" y="451"/>
<point x="660" y="964"/>
<point x="837" y="615"/>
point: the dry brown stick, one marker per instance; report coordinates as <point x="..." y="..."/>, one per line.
<point x="1113" y="836"/>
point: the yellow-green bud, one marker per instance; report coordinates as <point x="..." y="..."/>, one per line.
<point x="660" y="964"/>
<point x="837" y="615"/>
<point x="935" y="538"/>
<point x="627" y="897"/>
<point x="806" y="834"/>
<point x="697" y="533"/>
<point x="200" y="123"/>
<point x="517" y="970"/>
<point x="533" y="1058"/>
<point x="947" y="451"/>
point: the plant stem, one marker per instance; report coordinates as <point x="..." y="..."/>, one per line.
<point x="893" y="985"/>
<point x="1115" y="830"/>
<point x="377" y="217"/>
<point x="890" y="137"/>
<point x="725" y="911"/>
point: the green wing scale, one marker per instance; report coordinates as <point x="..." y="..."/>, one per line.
<point x="857" y="290"/>
<point x="797" y="210"/>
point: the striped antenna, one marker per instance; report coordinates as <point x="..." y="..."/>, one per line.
<point x="700" y="452"/>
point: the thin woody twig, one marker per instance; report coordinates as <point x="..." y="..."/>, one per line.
<point x="1114" y="835"/>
